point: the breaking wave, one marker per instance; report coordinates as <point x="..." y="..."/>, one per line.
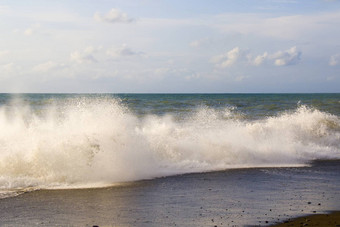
<point x="97" y="142"/>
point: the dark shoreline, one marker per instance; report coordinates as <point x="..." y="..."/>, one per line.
<point x="237" y="197"/>
<point x="324" y="220"/>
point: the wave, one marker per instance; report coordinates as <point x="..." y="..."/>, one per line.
<point x="97" y="142"/>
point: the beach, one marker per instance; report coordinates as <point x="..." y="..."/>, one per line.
<point x="325" y="220"/>
<point x="239" y="197"/>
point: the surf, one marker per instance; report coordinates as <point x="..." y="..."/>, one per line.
<point x="93" y="142"/>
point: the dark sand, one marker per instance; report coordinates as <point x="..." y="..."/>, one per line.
<point x="323" y="220"/>
<point x="240" y="197"/>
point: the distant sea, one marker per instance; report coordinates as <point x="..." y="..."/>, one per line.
<point x="185" y="159"/>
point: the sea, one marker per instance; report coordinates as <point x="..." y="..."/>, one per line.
<point x="167" y="159"/>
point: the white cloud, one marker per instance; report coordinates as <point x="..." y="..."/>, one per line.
<point x="99" y="55"/>
<point x="260" y="59"/>
<point x="195" y="43"/>
<point x="4" y="9"/>
<point x="268" y="36"/>
<point x="288" y="57"/>
<point x="3" y="53"/>
<point x="194" y="76"/>
<point x="113" y="16"/>
<point x="173" y="72"/>
<point x="200" y="42"/>
<point x="240" y="78"/>
<point x="122" y="51"/>
<point x="161" y="71"/>
<point x="334" y="60"/>
<point x="281" y="58"/>
<point x="85" y="56"/>
<point x="292" y="27"/>
<point x="227" y="59"/>
<point x="28" y="31"/>
<point x="47" y="66"/>
<point x="33" y="29"/>
<point x="8" y="69"/>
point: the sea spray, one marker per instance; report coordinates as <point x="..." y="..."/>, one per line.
<point x="92" y="142"/>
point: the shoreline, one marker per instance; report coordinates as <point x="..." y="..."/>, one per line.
<point x="239" y="197"/>
<point x="325" y="220"/>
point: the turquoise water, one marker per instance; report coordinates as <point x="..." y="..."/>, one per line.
<point x="94" y="140"/>
<point x="252" y="105"/>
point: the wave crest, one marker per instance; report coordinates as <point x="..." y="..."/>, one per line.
<point x="95" y="142"/>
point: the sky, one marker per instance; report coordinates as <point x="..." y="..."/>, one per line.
<point x="169" y="46"/>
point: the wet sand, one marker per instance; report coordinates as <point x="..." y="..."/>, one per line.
<point x="321" y="220"/>
<point x="240" y="197"/>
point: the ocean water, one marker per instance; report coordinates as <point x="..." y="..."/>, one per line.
<point x="67" y="141"/>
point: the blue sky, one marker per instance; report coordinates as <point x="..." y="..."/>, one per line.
<point x="170" y="46"/>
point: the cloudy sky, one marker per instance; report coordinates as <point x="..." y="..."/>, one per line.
<point x="122" y="46"/>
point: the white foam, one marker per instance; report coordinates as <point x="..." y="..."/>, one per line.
<point x="96" y="142"/>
